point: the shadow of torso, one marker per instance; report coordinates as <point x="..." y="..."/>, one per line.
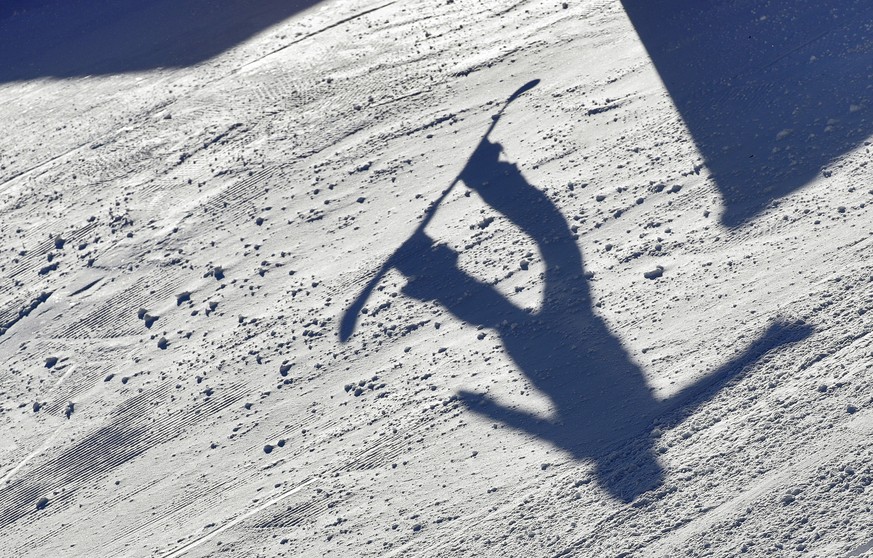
<point x="565" y="349"/>
<point x="598" y="395"/>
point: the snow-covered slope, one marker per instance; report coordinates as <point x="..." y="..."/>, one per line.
<point x="621" y="334"/>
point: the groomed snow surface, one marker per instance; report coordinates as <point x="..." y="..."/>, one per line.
<point x="638" y="325"/>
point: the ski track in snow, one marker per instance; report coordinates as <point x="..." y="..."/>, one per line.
<point x="179" y="246"/>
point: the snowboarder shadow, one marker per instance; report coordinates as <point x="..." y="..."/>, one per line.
<point x="600" y="399"/>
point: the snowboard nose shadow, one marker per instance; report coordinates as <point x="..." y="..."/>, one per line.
<point x="602" y="406"/>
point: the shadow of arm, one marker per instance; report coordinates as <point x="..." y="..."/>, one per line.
<point x="695" y="395"/>
<point x="518" y="420"/>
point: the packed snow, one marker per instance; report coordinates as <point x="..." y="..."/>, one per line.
<point x="492" y="278"/>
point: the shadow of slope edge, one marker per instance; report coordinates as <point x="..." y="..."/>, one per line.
<point x="61" y="39"/>
<point x="772" y="92"/>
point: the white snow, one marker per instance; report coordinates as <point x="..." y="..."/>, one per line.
<point x="184" y="240"/>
